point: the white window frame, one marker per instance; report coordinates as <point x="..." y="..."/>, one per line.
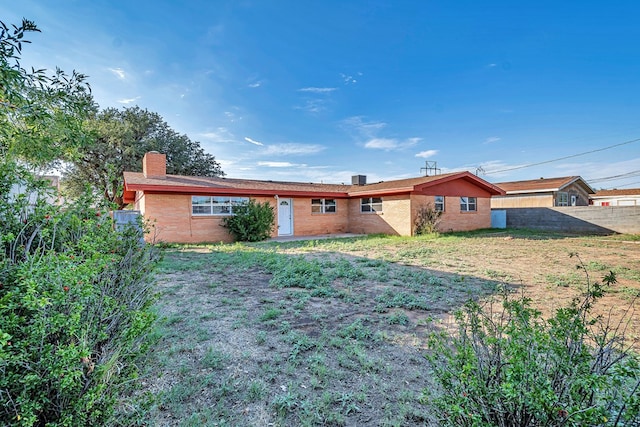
<point x="563" y="198"/>
<point x="216" y="205"/>
<point x="438" y="203"/>
<point x="468" y="204"/>
<point x="370" y="204"/>
<point x="323" y="206"/>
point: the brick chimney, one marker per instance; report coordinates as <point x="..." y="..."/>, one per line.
<point x="154" y="165"/>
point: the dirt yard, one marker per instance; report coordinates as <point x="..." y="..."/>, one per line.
<point x="333" y="332"/>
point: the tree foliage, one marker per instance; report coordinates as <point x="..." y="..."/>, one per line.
<point x="41" y="114"/>
<point x="75" y="299"/>
<point x="120" y="138"/>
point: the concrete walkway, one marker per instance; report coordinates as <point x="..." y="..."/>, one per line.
<point x="317" y="237"/>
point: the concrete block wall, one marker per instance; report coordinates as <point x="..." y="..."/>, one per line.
<point x="578" y="219"/>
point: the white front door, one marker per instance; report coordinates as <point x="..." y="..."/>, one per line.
<point x="285" y="219"/>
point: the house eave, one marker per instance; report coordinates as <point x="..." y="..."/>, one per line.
<point x="179" y="189"/>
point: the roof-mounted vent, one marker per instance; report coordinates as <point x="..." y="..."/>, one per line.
<point x="358" y="179"/>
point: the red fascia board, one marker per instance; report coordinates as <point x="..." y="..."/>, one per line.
<point x="381" y="192"/>
<point x="176" y="189"/>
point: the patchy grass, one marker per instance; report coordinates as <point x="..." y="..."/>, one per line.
<point x="332" y="332"/>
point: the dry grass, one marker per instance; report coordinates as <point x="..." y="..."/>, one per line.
<point x="332" y="332"/>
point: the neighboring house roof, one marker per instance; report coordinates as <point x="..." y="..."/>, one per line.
<point x="629" y="192"/>
<point x="136" y="181"/>
<point x="543" y="185"/>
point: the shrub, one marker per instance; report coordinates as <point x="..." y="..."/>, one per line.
<point x="251" y="222"/>
<point x="427" y="219"/>
<point x="75" y="304"/>
<point x="510" y="367"/>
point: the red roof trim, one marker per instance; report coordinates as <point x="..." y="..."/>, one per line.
<point x="387" y="191"/>
<point x="172" y="189"/>
<point x="357" y="191"/>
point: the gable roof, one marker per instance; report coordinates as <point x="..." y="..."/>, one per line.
<point x="136" y="181"/>
<point x="543" y="185"/>
<point x="421" y="183"/>
<point x="614" y="193"/>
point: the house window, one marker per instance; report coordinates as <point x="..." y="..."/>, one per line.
<point x="439" y="203"/>
<point x="215" y="205"/>
<point x="574" y="200"/>
<point x="371" y="204"/>
<point x="323" y="205"/>
<point x="563" y="199"/>
<point x="468" y="204"/>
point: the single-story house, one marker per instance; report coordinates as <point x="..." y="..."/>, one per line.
<point x="543" y="193"/>
<point x="189" y="209"/>
<point x="624" y="197"/>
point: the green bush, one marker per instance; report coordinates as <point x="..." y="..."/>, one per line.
<point x="75" y="304"/>
<point x="251" y="222"/>
<point x="511" y="367"/>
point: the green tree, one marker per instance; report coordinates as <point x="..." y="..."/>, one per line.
<point x="120" y="138"/>
<point x="41" y="114"/>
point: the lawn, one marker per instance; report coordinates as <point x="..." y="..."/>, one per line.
<point x="333" y="332"/>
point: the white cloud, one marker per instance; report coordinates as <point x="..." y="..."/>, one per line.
<point x="293" y="149"/>
<point x="426" y="154"/>
<point x="128" y="100"/>
<point x="389" y="144"/>
<point x="349" y="79"/>
<point x="281" y="165"/>
<point x="313" y="106"/>
<point x="119" y="72"/>
<point x="366" y="129"/>
<point x="246" y="138"/>
<point x="382" y="144"/>
<point x="255" y="84"/>
<point x="317" y="89"/>
<point x="491" y="140"/>
<point x="220" y="134"/>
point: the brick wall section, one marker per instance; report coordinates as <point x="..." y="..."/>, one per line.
<point x="455" y="220"/>
<point x="306" y="223"/>
<point x="154" y="164"/>
<point x="395" y="218"/>
<point x="171" y="220"/>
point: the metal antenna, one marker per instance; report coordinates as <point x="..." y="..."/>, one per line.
<point x="431" y="168"/>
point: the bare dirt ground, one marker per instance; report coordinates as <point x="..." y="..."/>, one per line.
<point x="334" y="332"/>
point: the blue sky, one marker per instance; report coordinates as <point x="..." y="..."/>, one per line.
<point x="320" y="91"/>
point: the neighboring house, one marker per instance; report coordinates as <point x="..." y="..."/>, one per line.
<point x="543" y="193"/>
<point x="626" y="197"/>
<point x="52" y="196"/>
<point x="188" y="209"/>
